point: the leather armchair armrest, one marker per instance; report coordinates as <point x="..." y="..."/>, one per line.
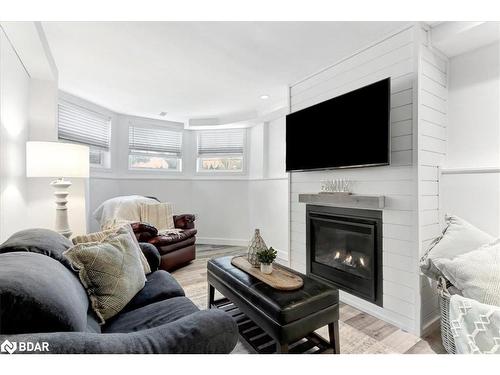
<point x="184" y="221"/>
<point x="152" y="255"/>
<point x="143" y="231"/>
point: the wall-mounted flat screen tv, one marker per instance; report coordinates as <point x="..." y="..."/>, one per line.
<point x="350" y="130"/>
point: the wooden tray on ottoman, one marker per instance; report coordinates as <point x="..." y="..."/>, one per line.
<point x="279" y="279"/>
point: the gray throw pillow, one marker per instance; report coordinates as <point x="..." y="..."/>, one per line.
<point x="110" y="270"/>
<point x="477" y="273"/>
<point x="38" y="240"/>
<point x="459" y="237"/>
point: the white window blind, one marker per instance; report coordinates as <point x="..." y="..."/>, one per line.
<point x="221" y="142"/>
<point x="153" y="139"/>
<point x="80" y="125"/>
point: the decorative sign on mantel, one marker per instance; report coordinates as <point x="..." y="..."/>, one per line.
<point x="336" y="186"/>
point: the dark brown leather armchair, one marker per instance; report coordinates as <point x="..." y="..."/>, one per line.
<point x="176" y="250"/>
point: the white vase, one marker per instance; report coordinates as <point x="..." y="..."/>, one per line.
<point x="266" y="268"/>
<point x="256" y="244"/>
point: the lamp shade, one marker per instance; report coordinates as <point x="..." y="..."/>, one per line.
<point x="56" y="159"/>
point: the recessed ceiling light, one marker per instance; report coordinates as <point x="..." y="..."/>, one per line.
<point x="264" y="97"/>
<point x="163" y="114"/>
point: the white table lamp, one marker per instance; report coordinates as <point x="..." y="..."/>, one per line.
<point x="58" y="160"/>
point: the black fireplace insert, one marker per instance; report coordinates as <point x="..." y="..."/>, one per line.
<point x="344" y="248"/>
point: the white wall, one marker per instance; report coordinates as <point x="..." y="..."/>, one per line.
<point x="268" y="208"/>
<point x="275" y="158"/>
<point x="29" y="112"/>
<point x="474" y="139"/>
<point x="14" y="90"/>
<point x="228" y="206"/>
<point x="395" y="57"/>
<point x="474" y="111"/>
<point x="268" y="195"/>
<point x="221" y="207"/>
<point x="43" y="127"/>
<point x="256" y="146"/>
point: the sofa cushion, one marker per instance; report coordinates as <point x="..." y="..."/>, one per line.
<point x="93" y="325"/>
<point x="459" y="237"/>
<point x="152" y="315"/>
<point x="168" y="243"/>
<point x="38" y="294"/>
<point x="38" y="240"/>
<point x="110" y="270"/>
<point x="160" y="285"/>
<point x="152" y="255"/>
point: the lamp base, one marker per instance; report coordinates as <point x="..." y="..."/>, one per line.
<point x="61" y="192"/>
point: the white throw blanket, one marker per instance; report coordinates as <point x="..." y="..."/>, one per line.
<point x="120" y="210"/>
<point x="475" y="326"/>
<point x="159" y="215"/>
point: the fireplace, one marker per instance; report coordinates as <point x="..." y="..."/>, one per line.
<point x="344" y="248"/>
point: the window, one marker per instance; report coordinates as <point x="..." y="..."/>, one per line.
<point x="80" y="125"/>
<point x="154" y="148"/>
<point x="221" y="150"/>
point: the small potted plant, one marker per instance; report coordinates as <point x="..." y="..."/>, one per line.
<point x="266" y="258"/>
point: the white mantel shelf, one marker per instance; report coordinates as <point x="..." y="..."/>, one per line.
<point x="375" y="202"/>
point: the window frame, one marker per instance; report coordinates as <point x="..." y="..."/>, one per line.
<point x="150" y="126"/>
<point x="105" y="164"/>
<point x="214" y="172"/>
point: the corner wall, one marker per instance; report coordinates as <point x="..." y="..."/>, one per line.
<point x="14" y="94"/>
<point x="432" y="135"/>
<point x="470" y="179"/>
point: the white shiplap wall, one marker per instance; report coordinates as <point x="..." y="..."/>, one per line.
<point x="395" y="57"/>
<point x="432" y="122"/>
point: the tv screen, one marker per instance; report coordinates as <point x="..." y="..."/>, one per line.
<point x="351" y="130"/>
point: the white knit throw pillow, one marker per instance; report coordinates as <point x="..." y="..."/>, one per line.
<point x="459" y="237"/>
<point x="477" y="273"/>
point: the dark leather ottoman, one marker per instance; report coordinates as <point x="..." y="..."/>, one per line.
<point x="288" y="317"/>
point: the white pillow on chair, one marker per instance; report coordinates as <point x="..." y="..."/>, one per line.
<point x="477" y="273"/>
<point x="459" y="237"/>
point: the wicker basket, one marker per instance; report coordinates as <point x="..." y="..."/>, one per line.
<point x="444" y="306"/>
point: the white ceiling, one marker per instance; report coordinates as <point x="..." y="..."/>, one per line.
<point x="455" y="38"/>
<point x="198" y="69"/>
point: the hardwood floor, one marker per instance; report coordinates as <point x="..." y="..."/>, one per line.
<point x="360" y="333"/>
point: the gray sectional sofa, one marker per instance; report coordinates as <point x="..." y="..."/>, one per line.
<point x="43" y="301"/>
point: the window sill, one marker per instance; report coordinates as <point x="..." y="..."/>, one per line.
<point x="101" y="169"/>
<point x="221" y="173"/>
<point x="153" y="170"/>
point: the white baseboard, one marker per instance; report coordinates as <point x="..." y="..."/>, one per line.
<point x="221" y="241"/>
<point x="375" y="311"/>
<point x="431" y="326"/>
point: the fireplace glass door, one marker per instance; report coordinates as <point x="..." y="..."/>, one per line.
<point x="344" y="246"/>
